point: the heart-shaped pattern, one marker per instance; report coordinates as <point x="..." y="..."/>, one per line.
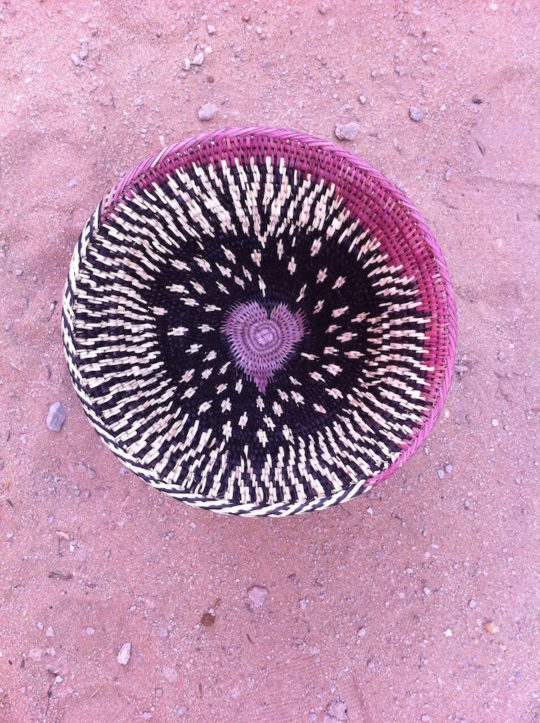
<point x="262" y="342"/>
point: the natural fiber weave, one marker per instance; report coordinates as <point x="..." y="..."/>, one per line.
<point x="257" y="322"/>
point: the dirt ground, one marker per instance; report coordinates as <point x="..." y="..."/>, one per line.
<point x="416" y="602"/>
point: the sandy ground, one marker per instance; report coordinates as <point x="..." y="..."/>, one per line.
<point x="414" y="603"/>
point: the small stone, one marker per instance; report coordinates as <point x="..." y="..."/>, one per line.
<point x="426" y="591"/>
<point x="447" y="174"/>
<point x="18" y="272"/>
<point x="362" y="632"/>
<point x="208" y="619"/>
<point x="170" y="674"/>
<point x="198" y="58"/>
<point x="90" y="630"/>
<point x="83" y="52"/>
<point x="257" y="596"/>
<point x="72" y="183"/>
<point x="494" y="422"/>
<point x="415" y="114"/>
<point x="448" y="633"/>
<point x="448" y="468"/>
<point x="322" y="7"/>
<point x="56" y="417"/>
<point x="50" y="632"/>
<point x="207" y="111"/>
<point x="491" y="628"/>
<point x="59" y="679"/>
<point x="477" y="100"/>
<point x="80" y="554"/>
<point x="186" y="64"/>
<point x="425" y="718"/>
<point x="472" y="604"/>
<point x="440" y="474"/>
<point x="211" y="29"/>
<point x="347" y="131"/>
<point x="75" y="59"/>
<point x="336" y="710"/>
<point x="124" y="654"/>
<point x="362" y="99"/>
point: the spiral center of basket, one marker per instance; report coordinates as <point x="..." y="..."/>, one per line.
<point x="262" y="340"/>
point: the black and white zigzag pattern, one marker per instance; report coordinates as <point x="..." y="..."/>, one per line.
<point x="149" y="286"/>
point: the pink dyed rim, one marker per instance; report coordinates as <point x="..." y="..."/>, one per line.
<point x="160" y="163"/>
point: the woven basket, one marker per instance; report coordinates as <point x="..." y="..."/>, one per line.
<point x="257" y="322"/>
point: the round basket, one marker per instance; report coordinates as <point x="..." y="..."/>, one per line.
<point x="257" y="322"/>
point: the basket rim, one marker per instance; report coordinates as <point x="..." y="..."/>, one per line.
<point x="173" y="155"/>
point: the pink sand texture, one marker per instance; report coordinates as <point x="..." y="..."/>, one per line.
<point x="416" y="602"/>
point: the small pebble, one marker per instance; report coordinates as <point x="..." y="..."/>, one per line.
<point x="208" y="619"/>
<point x="211" y="29"/>
<point x="336" y="710"/>
<point x="494" y="422"/>
<point x="72" y="183"/>
<point x="440" y="473"/>
<point x="198" y="59"/>
<point x="50" y="632"/>
<point x="362" y="99"/>
<point x="490" y="627"/>
<point x="207" y="111"/>
<point x="56" y="417"/>
<point x="170" y="674"/>
<point x="124" y="654"/>
<point x="447" y="174"/>
<point x="448" y="468"/>
<point x="322" y="8"/>
<point x="415" y="114"/>
<point x="347" y="131"/>
<point x="472" y="604"/>
<point x="426" y="591"/>
<point x="75" y="59"/>
<point x="447" y="633"/>
<point x="257" y="596"/>
<point x="477" y="100"/>
<point x="18" y="272"/>
<point x="90" y="630"/>
<point x="361" y="632"/>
